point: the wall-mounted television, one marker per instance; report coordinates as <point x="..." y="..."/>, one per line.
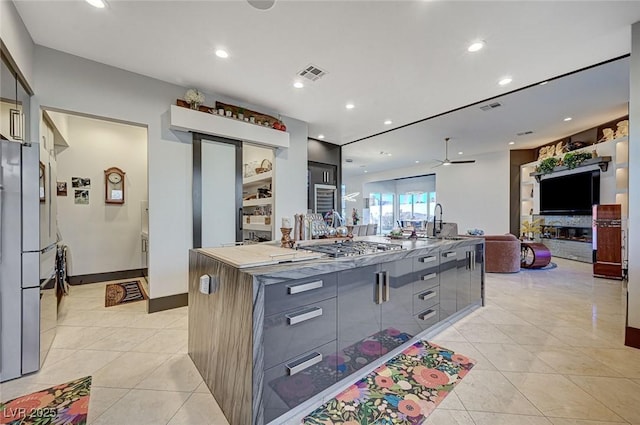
<point x="572" y="194"/>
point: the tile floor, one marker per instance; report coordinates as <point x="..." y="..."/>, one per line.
<point x="549" y="346"/>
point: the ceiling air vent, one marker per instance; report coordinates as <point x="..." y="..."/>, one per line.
<point x="524" y="133"/>
<point x="491" y="106"/>
<point x="312" y="73"/>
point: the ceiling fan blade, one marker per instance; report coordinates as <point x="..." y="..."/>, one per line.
<point x="436" y="166"/>
<point x="469" y="161"/>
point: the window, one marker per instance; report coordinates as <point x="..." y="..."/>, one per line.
<point x="381" y="210"/>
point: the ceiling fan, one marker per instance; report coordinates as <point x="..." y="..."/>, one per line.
<point x="446" y="157"/>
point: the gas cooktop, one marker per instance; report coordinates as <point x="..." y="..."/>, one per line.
<point x="351" y="248"/>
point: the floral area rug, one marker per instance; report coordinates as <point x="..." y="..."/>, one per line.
<point x="403" y="391"/>
<point x="65" y="404"/>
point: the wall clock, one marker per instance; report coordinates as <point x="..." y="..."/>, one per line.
<point x="42" y="182"/>
<point x="114" y="186"/>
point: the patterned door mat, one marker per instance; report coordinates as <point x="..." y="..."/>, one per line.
<point x="124" y="292"/>
<point x="403" y="391"/>
<point x="65" y="404"/>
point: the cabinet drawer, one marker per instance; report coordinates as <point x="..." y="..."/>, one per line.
<point x="292" y="382"/>
<point x="426" y="261"/>
<point x="426" y="279"/>
<point x="447" y="255"/>
<point x="429" y="316"/>
<point x="291" y="333"/>
<point x="296" y="293"/>
<point x="425" y="299"/>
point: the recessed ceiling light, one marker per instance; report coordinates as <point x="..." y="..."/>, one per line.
<point x="475" y="46"/>
<point x="349" y="106"/>
<point x="388" y="122"/>
<point x="512" y="143"/>
<point x="388" y="154"/>
<point x="568" y="119"/>
<point x="97" y="3"/>
<point x="365" y="171"/>
<point x="505" y="81"/>
<point x="543" y="83"/>
<point x="417" y="162"/>
<point x="460" y="153"/>
<point x="222" y="53"/>
<point x="320" y="136"/>
<point x="298" y="85"/>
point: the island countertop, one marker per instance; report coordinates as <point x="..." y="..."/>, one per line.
<point x="275" y="273"/>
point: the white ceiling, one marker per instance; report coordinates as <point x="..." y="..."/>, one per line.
<point x="397" y="60"/>
<point x="590" y="97"/>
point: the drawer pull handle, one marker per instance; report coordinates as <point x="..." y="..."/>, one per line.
<point x="449" y="254"/>
<point x="304" y="287"/>
<point x="293" y="319"/>
<point x="427" y="315"/>
<point x="427" y="259"/>
<point x="303" y="363"/>
<point x="429" y="276"/>
<point x="427" y="295"/>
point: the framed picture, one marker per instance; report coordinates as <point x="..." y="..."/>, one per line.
<point x="81" y="197"/>
<point x="81" y="182"/>
<point x="62" y="188"/>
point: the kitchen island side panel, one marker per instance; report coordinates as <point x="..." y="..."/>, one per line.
<point x="221" y="335"/>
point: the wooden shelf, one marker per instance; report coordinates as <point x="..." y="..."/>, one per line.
<point x="256" y="202"/>
<point x="259" y="227"/>
<point x="601" y="161"/>
<point x="258" y="178"/>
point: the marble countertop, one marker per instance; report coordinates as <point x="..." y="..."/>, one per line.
<point x="297" y="270"/>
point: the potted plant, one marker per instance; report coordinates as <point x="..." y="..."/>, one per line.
<point x="241" y="113"/>
<point x="529" y="230"/>
<point x="572" y="160"/>
<point x="194" y="98"/>
<point x="547" y="165"/>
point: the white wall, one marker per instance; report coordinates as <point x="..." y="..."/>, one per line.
<point x="72" y="83"/>
<point x="103" y="237"/>
<point x="16" y="38"/>
<point x="472" y="195"/>
<point x="633" y="306"/>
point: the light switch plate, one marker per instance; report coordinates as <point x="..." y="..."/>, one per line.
<point x="205" y="284"/>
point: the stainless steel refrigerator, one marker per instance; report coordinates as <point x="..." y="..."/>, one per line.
<point x="28" y="310"/>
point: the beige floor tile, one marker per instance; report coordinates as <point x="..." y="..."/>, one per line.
<point x="101" y="399"/>
<point x="200" y="409"/>
<point x="618" y="394"/>
<point x="123" y="339"/>
<point x="22" y="386"/>
<point x="564" y="421"/>
<point x="81" y="318"/>
<point x="625" y="360"/>
<point x="56" y="354"/>
<point x="488" y="418"/>
<point x="483" y="332"/>
<point x="449" y="417"/>
<point x="578" y="337"/>
<point x="529" y="334"/>
<point x="176" y="374"/>
<point x="557" y="396"/>
<point x="164" y="341"/>
<point x="492" y="392"/>
<point x="467" y="349"/>
<point x="155" y="320"/>
<point x="513" y="358"/>
<point x="75" y="337"/>
<point x="181" y="323"/>
<point x="202" y="388"/>
<point x="451" y="402"/>
<point x="77" y="365"/>
<point x="128" y="370"/>
<point x="143" y="407"/>
<point x="570" y="361"/>
<point x="499" y="316"/>
<point x="450" y="334"/>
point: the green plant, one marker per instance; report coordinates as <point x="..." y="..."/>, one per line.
<point x="572" y="160"/>
<point x="547" y="165"/>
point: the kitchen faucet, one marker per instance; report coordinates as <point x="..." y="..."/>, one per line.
<point x="436" y="232"/>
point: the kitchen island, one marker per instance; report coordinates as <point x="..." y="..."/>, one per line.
<point x="269" y="338"/>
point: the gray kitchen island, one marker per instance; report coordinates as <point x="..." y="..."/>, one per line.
<point x="272" y="338"/>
